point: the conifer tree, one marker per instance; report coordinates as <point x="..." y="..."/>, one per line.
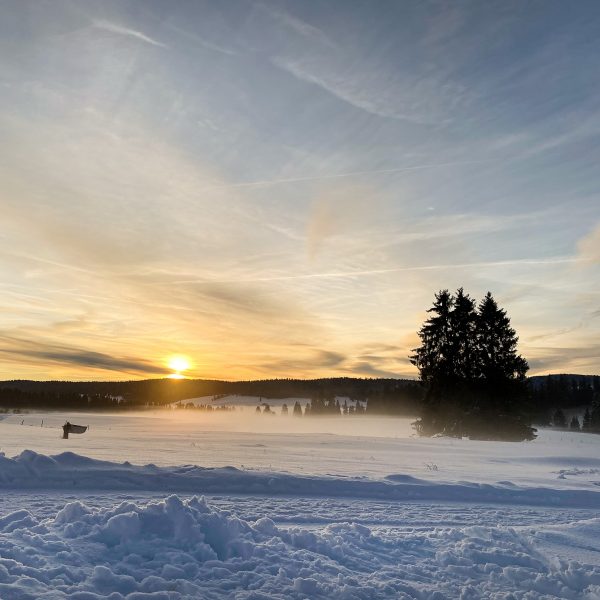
<point x="474" y="377"/>
<point x="497" y="344"/>
<point x="463" y="324"/>
<point x="434" y="360"/>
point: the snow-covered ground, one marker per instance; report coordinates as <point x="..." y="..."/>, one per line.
<point x="348" y="446"/>
<point x="184" y="504"/>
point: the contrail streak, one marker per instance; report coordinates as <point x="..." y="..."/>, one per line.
<point x="350" y="274"/>
<point x="267" y="182"/>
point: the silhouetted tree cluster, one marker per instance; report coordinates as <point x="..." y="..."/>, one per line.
<point x="472" y="373"/>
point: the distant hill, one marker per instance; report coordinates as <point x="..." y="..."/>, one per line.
<point x="384" y="396"/>
<point x="540" y="380"/>
<point x="396" y="396"/>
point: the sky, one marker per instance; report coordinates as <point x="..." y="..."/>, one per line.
<point x="273" y="189"/>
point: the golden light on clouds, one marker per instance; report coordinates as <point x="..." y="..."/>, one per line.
<point x="180" y="230"/>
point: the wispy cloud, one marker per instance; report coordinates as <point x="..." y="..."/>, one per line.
<point x="199" y="40"/>
<point x="522" y="262"/>
<point x="296" y="25"/>
<point x="18" y="350"/>
<point x="158" y="202"/>
<point x="589" y="247"/>
<point x="581" y="358"/>
<point x="343" y="88"/>
<point x="126" y="31"/>
<point x="326" y="176"/>
<point x="314" y="362"/>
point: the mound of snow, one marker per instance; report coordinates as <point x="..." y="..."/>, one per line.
<point x="185" y="549"/>
<point x="68" y="471"/>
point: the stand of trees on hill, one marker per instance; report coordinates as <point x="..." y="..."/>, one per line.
<point x="475" y="381"/>
<point x="552" y="392"/>
<point x="397" y="397"/>
<point x="381" y="396"/>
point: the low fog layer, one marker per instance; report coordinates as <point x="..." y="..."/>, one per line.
<point x="349" y="446"/>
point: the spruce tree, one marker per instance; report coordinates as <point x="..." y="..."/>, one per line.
<point x="497" y="344"/>
<point x="587" y="420"/>
<point x="474" y="377"/>
<point x="464" y="323"/>
<point x="574" y="424"/>
<point x="502" y="370"/>
<point x="434" y="359"/>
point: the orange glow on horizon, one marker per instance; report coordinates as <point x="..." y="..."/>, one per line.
<point x="176" y="376"/>
<point x="178" y="364"/>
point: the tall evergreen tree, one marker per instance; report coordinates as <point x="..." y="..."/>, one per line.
<point x="497" y="344"/>
<point x="435" y="360"/>
<point x="501" y="368"/>
<point x="474" y="377"/>
<point x="433" y="357"/>
<point x="463" y="323"/>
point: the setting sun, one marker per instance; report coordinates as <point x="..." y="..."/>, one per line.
<point x="178" y="364"/>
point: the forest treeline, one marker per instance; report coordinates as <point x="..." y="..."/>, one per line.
<point x="563" y="391"/>
<point x="381" y="396"/>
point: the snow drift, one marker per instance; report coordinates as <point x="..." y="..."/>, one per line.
<point x="185" y="549"/>
<point x="68" y="471"/>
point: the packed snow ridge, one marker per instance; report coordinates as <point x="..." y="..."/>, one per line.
<point x="179" y="549"/>
<point x="68" y="471"/>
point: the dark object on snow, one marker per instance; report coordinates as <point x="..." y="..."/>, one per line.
<point x="70" y="428"/>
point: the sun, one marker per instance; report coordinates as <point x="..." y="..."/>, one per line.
<point x="178" y="364"/>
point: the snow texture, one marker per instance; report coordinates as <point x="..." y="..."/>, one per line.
<point x="310" y="510"/>
<point x="176" y="548"/>
<point x="31" y="470"/>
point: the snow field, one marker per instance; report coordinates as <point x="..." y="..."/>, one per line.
<point x="186" y="548"/>
<point x="69" y="471"/>
<point x="300" y="509"/>
<point x="371" y="447"/>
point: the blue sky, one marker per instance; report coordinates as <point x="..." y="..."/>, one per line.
<point x="279" y="188"/>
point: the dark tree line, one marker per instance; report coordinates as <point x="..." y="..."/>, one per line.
<point x="384" y="396"/>
<point x="562" y="391"/>
<point x="475" y="380"/>
<point x="58" y="400"/>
